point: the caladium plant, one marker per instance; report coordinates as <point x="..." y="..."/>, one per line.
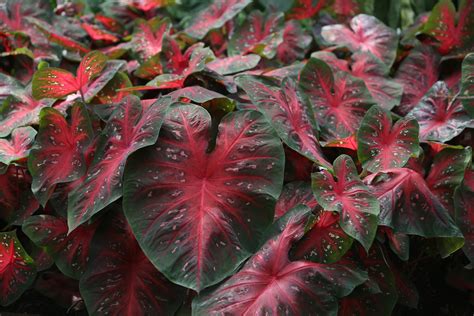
<point x="241" y="157"/>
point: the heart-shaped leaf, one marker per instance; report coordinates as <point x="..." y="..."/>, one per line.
<point x="440" y="115"/>
<point x="296" y="42"/>
<point x="120" y="280"/>
<point x="17" y="268"/>
<point x="350" y="197"/>
<point x="417" y="74"/>
<point x="409" y="206"/>
<point x="18" y="146"/>
<point x="148" y="36"/>
<point x="52" y="82"/>
<point x="339" y="100"/>
<point x="288" y="112"/>
<point x="366" y="33"/>
<point x="384" y="90"/>
<point x="70" y="252"/>
<point x="214" y="16"/>
<point x="128" y="129"/>
<point x="196" y="214"/>
<point x="270" y="282"/>
<point x="260" y="34"/>
<point x="383" y="146"/>
<point x="58" y="153"/>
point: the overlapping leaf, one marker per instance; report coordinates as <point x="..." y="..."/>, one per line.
<point x="198" y="215"/>
<point x="18" y="146"/>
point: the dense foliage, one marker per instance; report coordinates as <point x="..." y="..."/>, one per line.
<point x="235" y="157"/>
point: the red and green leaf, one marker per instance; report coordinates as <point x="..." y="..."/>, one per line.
<point x="366" y="33"/>
<point x="18" y="146"/>
<point x="452" y="31"/>
<point x="128" y="129"/>
<point x="296" y="43"/>
<point x="305" y="9"/>
<point x="346" y="194"/>
<point x="384" y="90"/>
<point x="382" y="145"/>
<point x="464" y="206"/>
<point x="447" y="172"/>
<point x="440" y="115"/>
<point x="98" y="34"/>
<point x="294" y="193"/>
<point x="260" y="34"/>
<point x="339" y="100"/>
<point x="417" y="74"/>
<point x="20" y="110"/>
<point x="17" y="202"/>
<point x="189" y="208"/>
<point x="270" y="283"/>
<point x="121" y="280"/>
<point x="148" y="37"/>
<point x="214" y="16"/>
<point x="58" y="153"/>
<point x="17" y="268"/>
<point x="288" y="112"/>
<point x="69" y="251"/>
<point x="408" y="205"/>
<point x="325" y="242"/>
<point x="233" y="64"/>
<point x="467" y="84"/>
<point x="52" y="82"/>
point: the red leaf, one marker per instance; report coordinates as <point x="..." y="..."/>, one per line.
<point x="325" y="242"/>
<point x="69" y="251"/>
<point x="17" y="202"/>
<point x="296" y="42"/>
<point x="464" y="204"/>
<point x="440" y="115"/>
<point x="383" y="146"/>
<point x="193" y="212"/>
<point x="409" y="206"/>
<point x="260" y="34"/>
<point x="367" y="33"/>
<point x="148" y="36"/>
<point x="120" y="280"/>
<point x="17" y="269"/>
<point x="128" y="129"/>
<point x="18" y="147"/>
<point x="295" y="193"/>
<point x="350" y="197"/>
<point x="339" y="100"/>
<point x="58" y="154"/>
<point x="287" y="110"/>
<point x="417" y="74"/>
<point x="270" y="283"/>
<point x="384" y="90"/>
<point x="214" y="16"/>
<point x="97" y="34"/>
<point x="305" y="9"/>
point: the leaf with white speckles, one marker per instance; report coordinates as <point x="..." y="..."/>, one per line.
<point x="381" y="145"/>
<point x="148" y="36"/>
<point x="467" y="84"/>
<point x="286" y="108"/>
<point x="294" y="193"/>
<point x="120" y="279"/>
<point x="408" y="205"/>
<point x="441" y="116"/>
<point x="58" y="153"/>
<point x="270" y="283"/>
<point x="260" y="34"/>
<point x="339" y="100"/>
<point x="18" y="146"/>
<point x="214" y="16"/>
<point x="17" y="268"/>
<point x="70" y="252"/>
<point x="127" y="130"/>
<point x="350" y="197"/>
<point x="197" y="214"/>
<point x="464" y="207"/>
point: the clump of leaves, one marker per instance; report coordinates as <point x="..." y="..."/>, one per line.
<point x="233" y="157"/>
